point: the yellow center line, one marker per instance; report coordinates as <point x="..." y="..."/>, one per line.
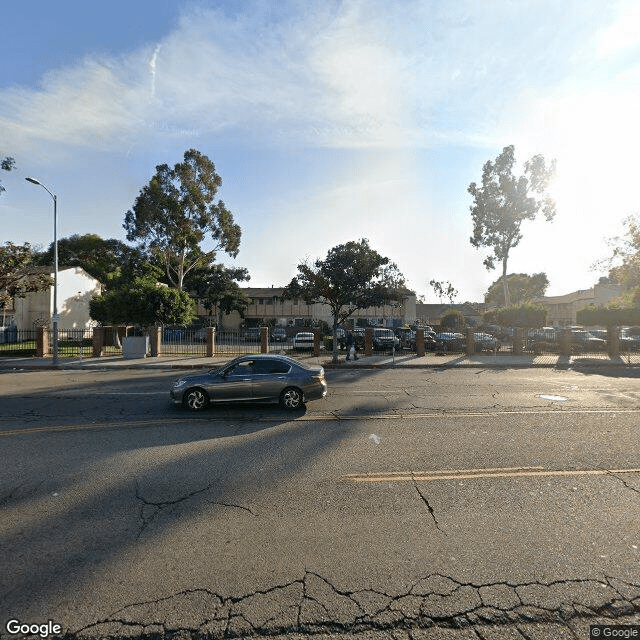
<point x="469" y="474"/>
<point x="87" y="427"/>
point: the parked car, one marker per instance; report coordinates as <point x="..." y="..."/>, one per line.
<point x="407" y="338"/>
<point x="629" y="341"/>
<point x="303" y="341"/>
<point x="279" y="334"/>
<point x="450" y="341"/>
<point x="260" y="378"/>
<point x="485" y="342"/>
<point x="384" y="339"/>
<point x="585" y="341"/>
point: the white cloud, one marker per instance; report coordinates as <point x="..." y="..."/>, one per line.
<point x="362" y="73"/>
<point x="622" y="34"/>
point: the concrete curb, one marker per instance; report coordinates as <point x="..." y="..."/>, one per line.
<point x="406" y="364"/>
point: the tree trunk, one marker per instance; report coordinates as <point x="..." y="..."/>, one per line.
<point x="335" y="338"/>
<point x="505" y="283"/>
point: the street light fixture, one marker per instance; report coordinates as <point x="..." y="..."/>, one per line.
<point x="55" y="268"/>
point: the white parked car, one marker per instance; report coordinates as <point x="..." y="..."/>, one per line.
<point x="303" y="340"/>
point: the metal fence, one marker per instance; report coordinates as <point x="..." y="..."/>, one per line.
<point x="75" y="343"/>
<point x="537" y="344"/>
<point x="194" y="342"/>
<point x="17" y="342"/>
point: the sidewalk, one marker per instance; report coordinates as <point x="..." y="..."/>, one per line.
<point x="405" y="360"/>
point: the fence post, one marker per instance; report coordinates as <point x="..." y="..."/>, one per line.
<point x="316" y="342"/>
<point x="420" y="350"/>
<point x="471" y="342"/>
<point x="565" y="342"/>
<point x="156" y="341"/>
<point x="43" y="345"/>
<point x="518" y="341"/>
<point x="613" y="340"/>
<point x="368" y="341"/>
<point x="211" y="341"/>
<point x="264" y="339"/>
<point x="98" y="341"/>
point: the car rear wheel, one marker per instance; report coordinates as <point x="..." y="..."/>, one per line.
<point x="196" y="399"/>
<point x="291" y="398"/>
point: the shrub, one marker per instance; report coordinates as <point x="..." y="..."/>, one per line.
<point x="523" y="315"/>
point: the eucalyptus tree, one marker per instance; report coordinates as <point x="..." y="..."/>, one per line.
<point x="176" y="213"/>
<point x="504" y="201"/>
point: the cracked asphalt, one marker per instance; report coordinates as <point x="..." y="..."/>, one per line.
<point x="409" y="504"/>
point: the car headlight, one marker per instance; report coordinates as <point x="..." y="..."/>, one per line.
<point x="179" y="383"/>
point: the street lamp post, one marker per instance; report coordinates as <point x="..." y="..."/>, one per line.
<point x="54" y="320"/>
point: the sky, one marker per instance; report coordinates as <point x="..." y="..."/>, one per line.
<point x="328" y="121"/>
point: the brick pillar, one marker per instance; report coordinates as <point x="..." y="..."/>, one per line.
<point x="211" y="341"/>
<point x="368" y="341"/>
<point x="264" y="339"/>
<point x="155" y="337"/>
<point x="43" y="342"/>
<point x="420" y="350"/>
<point x="518" y="342"/>
<point x="316" y="342"/>
<point x="99" y="334"/>
<point x="565" y="342"/>
<point x="471" y="342"/>
<point x="613" y="341"/>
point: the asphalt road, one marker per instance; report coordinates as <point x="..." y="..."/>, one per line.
<point x="423" y="503"/>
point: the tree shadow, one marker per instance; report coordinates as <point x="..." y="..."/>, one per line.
<point x="88" y="494"/>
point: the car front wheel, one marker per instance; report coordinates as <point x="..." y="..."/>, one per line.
<point x="291" y="398"/>
<point x="196" y="399"/>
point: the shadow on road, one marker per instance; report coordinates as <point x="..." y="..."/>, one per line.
<point x="98" y="483"/>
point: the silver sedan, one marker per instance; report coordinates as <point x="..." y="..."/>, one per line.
<point x="258" y="378"/>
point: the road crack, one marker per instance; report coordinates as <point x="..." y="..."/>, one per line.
<point x="149" y="509"/>
<point x="429" y="507"/>
<point x="313" y="605"/>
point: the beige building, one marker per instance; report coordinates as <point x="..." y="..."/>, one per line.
<point x="75" y="289"/>
<point x="267" y="307"/>
<point x="562" y="310"/>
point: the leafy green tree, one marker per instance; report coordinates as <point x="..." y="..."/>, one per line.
<point x="175" y="213"/>
<point x="17" y="277"/>
<point x="6" y="164"/>
<point x="143" y="302"/>
<point x="504" y="201"/>
<point x="522" y="288"/>
<point x="353" y="276"/>
<point x="217" y="289"/>
<point x="111" y="262"/>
